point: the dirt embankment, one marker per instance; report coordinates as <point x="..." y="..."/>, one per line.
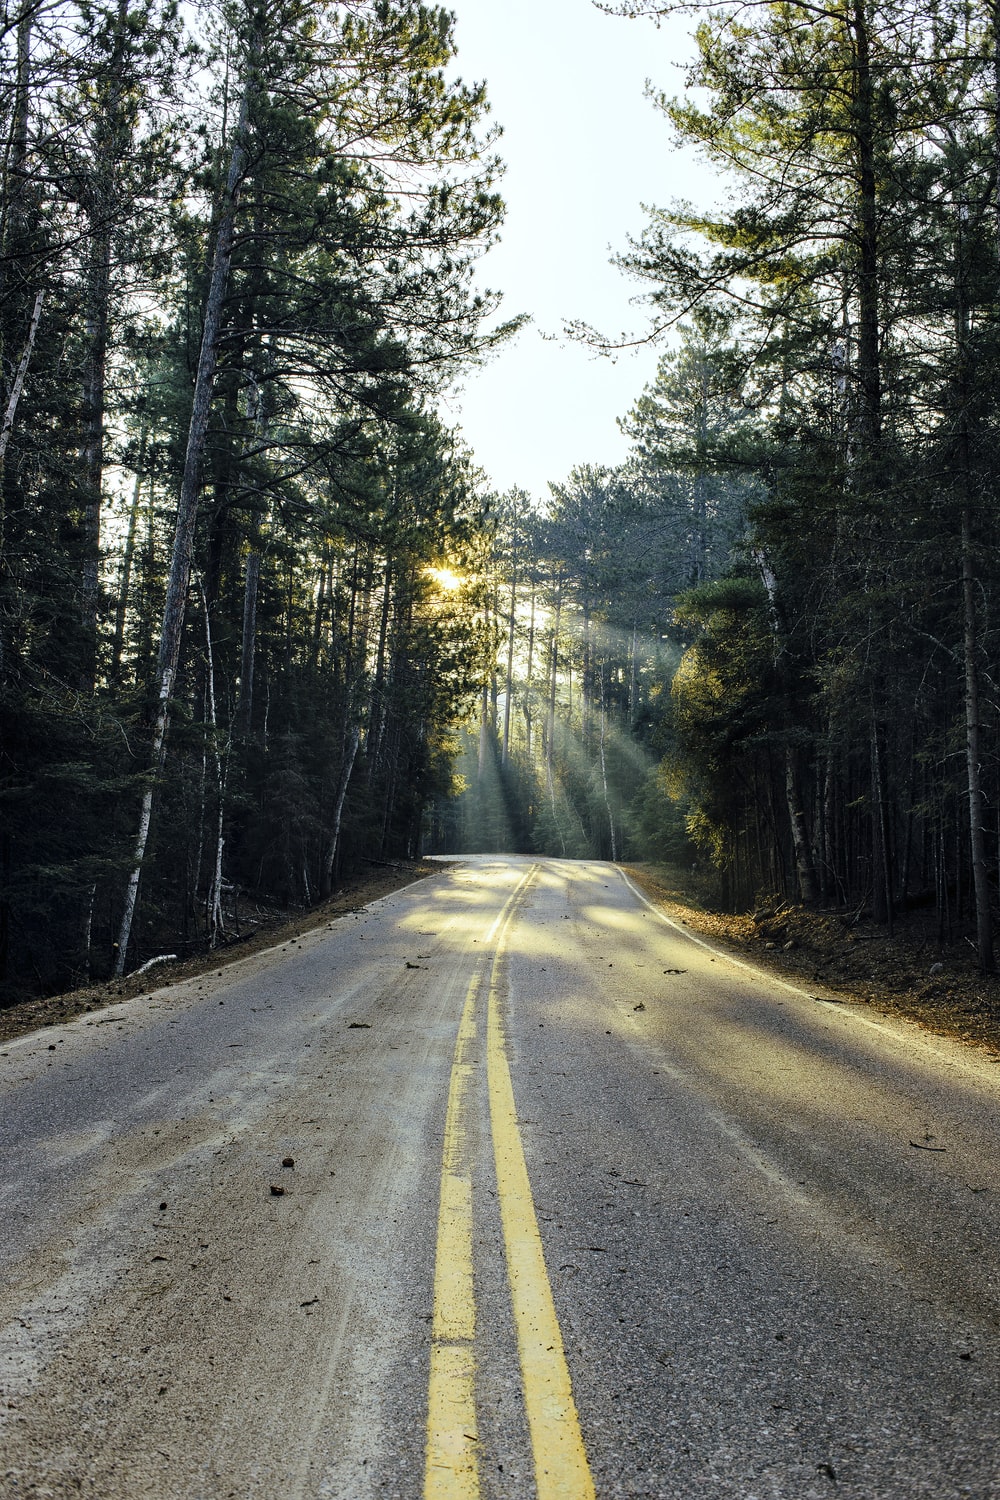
<point x="907" y="974"/>
<point x="56" y="1010"/>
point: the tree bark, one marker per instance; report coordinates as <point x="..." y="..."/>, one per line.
<point x="187" y="509"/>
<point x="869" y="356"/>
<point x="248" y="645"/>
<point x="22" y="369"/>
<point x="125" y="579"/>
<point x="604" y="773"/>
<point x="509" y="674"/>
<point x="970" y="625"/>
<point x="528" y="715"/>
<point x="973" y="755"/>
<point x="805" y="868"/>
<point x="214" y="921"/>
<point x="352" y="739"/>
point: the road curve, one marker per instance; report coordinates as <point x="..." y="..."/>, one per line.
<point x="505" y="1186"/>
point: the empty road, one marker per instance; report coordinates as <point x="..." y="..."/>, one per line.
<point x="506" y="1186"/>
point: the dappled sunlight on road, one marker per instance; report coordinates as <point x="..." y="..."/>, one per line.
<point x="761" y="1225"/>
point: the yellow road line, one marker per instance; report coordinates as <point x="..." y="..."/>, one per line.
<point x="561" y="1468"/>
<point x="452" y="1465"/>
<point x="452" y="1470"/>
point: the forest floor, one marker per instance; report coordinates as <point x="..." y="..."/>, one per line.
<point x="907" y="974"/>
<point x="890" y="974"/>
<point x="273" y="927"/>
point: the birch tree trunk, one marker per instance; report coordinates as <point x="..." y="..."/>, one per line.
<point x="18" y="386"/>
<point x="351" y="741"/>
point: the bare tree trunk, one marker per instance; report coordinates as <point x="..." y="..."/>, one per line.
<point x="102" y="201"/>
<point x="869" y="358"/>
<point x="994" y="10"/>
<point x="351" y="742"/>
<point x="125" y="579"/>
<point x="527" y="677"/>
<point x="586" y="680"/>
<point x="805" y="868"/>
<point x="187" y="511"/>
<point x="484" y="729"/>
<point x="377" y="710"/>
<point x="92" y="446"/>
<point x="550" y="731"/>
<point x="8" y="425"/>
<point x="15" y="177"/>
<point x="973" y="755"/>
<point x="494" y="634"/>
<point x="22" y="370"/>
<point x="86" y="931"/>
<point x="883" y="845"/>
<point x="551" y="715"/>
<point x="604" y="771"/>
<point x="970" y="629"/>
<point x="213" y="904"/>
<point x="248" y="645"/>
<point x="633" y="682"/>
<point x="509" y="675"/>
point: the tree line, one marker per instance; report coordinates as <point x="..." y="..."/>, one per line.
<point x="822" y="703"/>
<point x="236" y="247"/>
<point x="572" y="749"/>
<point x="259" y="619"/>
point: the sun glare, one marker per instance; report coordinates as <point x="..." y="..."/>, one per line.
<point x="445" y="578"/>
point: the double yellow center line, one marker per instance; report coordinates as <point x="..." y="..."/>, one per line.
<point x="452" y="1465"/>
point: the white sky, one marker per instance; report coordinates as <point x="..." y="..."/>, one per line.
<point x="584" y="150"/>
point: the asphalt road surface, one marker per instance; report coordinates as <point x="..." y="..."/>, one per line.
<point x="507" y="1186"/>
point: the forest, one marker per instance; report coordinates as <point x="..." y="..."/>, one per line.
<point x="768" y="641"/>
<point x="263" y="622"/>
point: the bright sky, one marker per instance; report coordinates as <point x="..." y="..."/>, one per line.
<point x="584" y="150"/>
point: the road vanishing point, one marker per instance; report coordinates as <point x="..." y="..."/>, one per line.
<point x="505" y="1186"/>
